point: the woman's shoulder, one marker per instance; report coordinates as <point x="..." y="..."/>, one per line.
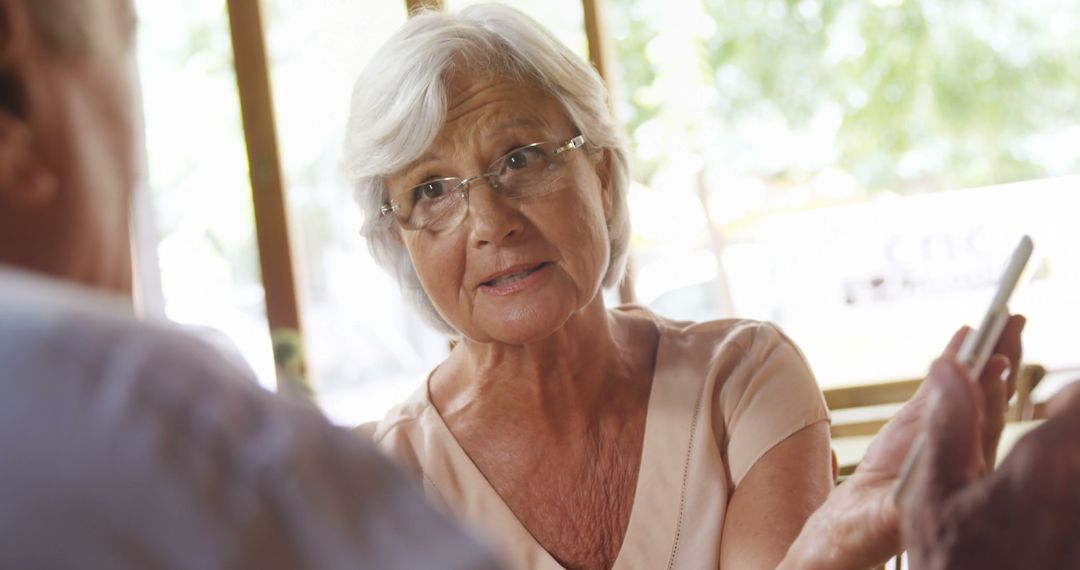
<point x="746" y="335"/>
<point x="399" y="431"/>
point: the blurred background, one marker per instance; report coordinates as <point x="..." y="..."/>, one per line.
<point x="855" y="171"/>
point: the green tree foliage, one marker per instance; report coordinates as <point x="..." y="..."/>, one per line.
<point x="923" y="95"/>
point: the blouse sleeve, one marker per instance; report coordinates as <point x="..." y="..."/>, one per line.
<point x="769" y="393"/>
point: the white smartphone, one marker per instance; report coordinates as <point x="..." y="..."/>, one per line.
<point x="979" y="344"/>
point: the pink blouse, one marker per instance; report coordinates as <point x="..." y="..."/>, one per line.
<point x="723" y="393"/>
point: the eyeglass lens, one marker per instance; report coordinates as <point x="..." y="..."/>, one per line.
<point x="442" y="203"/>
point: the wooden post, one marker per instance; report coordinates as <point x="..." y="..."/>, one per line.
<point x="600" y="51"/>
<point x="599" y="42"/>
<point x="264" y="168"/>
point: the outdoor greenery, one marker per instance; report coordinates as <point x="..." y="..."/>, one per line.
<point x="906" y="96"/>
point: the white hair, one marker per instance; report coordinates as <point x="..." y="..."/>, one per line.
<point x="399" y="105"/>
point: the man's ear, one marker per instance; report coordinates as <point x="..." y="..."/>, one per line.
<point x="18" y="34"/>
<point x="25" y="180"/>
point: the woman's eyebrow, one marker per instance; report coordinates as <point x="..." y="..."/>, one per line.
<point x="518" y="123"/>
<point x="515" y="123"/>
<point x="410" y="170"/>
<point x="423" y="160"/>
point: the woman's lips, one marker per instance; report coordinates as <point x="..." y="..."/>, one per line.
<point x="514" y="282"/>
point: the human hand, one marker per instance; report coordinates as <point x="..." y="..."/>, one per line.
<point x="1026" y="514"/>
<point x="858" y="526"/>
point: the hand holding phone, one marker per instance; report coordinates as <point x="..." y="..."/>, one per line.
<point x="979" y="344"/>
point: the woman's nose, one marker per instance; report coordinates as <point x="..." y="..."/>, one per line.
<point x="492" y="218"/>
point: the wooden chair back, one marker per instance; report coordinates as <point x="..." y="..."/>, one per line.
<point x="860" y="411"/>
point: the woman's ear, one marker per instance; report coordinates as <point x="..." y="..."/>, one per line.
<point x="607" y="188"/>
<point x="398" y="235"/>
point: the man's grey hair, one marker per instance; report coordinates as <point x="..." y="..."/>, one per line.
<point x="399" y="105"/>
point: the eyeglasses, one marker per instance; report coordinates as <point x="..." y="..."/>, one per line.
<point x="441" y="204"/>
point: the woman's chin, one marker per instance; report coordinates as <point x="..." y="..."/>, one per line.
<point x="519" y="327"/>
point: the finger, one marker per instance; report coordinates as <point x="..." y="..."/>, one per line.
<point x="1010" y="345"/>
<point x="995" y="401"/>
<point x="957" y="339"/>
<point x="954" y="422"/>
<point x="952" y="455"/>
<point x="951" y="350"/>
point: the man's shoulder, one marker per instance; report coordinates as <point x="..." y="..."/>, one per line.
<point x="32" y="294"/>
<point x="51" y="328"/>
<point x="154" y="420"/>
<point x="39" y="311"/>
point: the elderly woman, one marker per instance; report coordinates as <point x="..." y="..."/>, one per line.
<point x="579" y="436"/>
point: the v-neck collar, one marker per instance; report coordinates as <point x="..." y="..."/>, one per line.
<point x="659" y="494"/>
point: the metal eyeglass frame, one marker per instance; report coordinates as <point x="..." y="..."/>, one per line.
<point x="389" y="207"/>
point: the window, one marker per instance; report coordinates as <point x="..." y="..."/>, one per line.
<point x="198" y="178"/>
<point x="854" y="171"/>
<point x="844" y="168"/>
<point x="366" y="350"/>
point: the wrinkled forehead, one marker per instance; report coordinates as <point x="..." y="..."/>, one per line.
<point x="491" y="113"/>
<point x="480" y="103"/>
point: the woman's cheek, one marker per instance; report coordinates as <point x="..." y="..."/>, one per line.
<point x="437" y="266"/>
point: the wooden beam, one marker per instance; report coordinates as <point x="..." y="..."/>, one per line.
<point x="1027" y="380"/>
<point x="871" y="394"/>
<point x="264" y="168"/>
<point x="415" y="6"/>
<point x="600" y="50"/>
<point x="599" y="41"/>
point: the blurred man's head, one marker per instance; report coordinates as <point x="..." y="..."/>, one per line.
<point x="66" y="145"/>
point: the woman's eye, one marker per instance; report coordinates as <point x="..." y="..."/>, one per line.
<point x="429" y="190"/>
<point x="524" y="158"/>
